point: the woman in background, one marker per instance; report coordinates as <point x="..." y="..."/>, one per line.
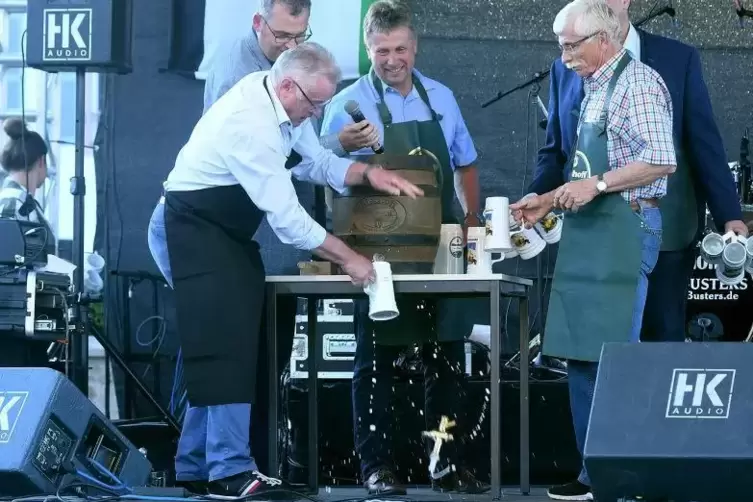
<point x="24" y="158"/>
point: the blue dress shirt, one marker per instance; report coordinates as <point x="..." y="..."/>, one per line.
<point x="404" y="109"/>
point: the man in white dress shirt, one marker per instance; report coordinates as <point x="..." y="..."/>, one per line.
<point x="228" y="177"/>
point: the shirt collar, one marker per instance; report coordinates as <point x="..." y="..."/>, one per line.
<point x="603" y="75"/>
<point x="282" y="116"/>
<point x="252" y="43"/>
<point x="633" y="43"/>
<point x="9" y="182"/>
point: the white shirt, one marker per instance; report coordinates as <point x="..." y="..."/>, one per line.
<point x="633" y="43"/>
<point x="245" y="138"/>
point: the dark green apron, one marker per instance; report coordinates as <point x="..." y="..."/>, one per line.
<point x="417" y="138"/>
<point x="599" y="258"/>
<point x="679" y="210"/>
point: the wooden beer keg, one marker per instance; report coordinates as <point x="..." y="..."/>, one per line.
<point x="403" y="230"/>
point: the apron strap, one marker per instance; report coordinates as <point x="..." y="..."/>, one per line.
<point x="624" y="61"/>
<point x="384" y="112"/>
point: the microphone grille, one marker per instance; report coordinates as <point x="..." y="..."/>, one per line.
<point x="351" y="107"/>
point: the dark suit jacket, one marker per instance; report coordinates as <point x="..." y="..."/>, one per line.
<point x="694" y="127"/>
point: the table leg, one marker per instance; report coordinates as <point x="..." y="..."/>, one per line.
<point x="271" y="323"/>
<point x="313" y="404"/>
<point x="496" y="446"/>
<point x="525" y="457"/>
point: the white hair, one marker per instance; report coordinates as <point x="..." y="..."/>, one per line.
<point x="308" y="60"/>
<point x="588" y="17"/>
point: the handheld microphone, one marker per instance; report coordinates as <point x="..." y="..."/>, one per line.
<point x="352" y="109"/>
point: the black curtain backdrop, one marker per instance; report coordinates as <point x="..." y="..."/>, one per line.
<point x="186" y="36"/>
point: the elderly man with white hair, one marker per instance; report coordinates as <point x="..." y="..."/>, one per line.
<point x="230" y="175"/>
<point x="612" y="225"/>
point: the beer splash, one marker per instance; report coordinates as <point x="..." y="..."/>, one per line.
<point x="439" y="436"/>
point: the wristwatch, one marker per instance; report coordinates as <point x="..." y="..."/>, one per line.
<point x="601" y="185"/>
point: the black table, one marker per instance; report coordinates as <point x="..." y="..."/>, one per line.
<point x="495" y="286"/>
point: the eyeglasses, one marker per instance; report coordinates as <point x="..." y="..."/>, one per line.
<point x="284" y="38"/>
<point x="573" y="46"/>
<point x="315" y="106"/>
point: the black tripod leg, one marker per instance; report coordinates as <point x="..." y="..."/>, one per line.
<point x="111" y="351"/>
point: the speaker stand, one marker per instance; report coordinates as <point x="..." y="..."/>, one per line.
<point x="77" y="365"/>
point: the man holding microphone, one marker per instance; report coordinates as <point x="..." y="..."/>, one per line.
<point x="232" y="174"/>
<point x="412" y="113"/>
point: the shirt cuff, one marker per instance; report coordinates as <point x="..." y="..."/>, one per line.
<point x="658" y="157"/>
<point x="315" y="237"/>
<point x="332" y="142"/>
<point x="458" y="163"/>
<point x="337" y="173"/>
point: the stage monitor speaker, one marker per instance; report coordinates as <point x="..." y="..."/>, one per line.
<point x="672" y="420"/>
<point x="49" y="428"/>
<point x="68" y="35"/>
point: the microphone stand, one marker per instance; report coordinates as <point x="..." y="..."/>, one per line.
<point x="539" y="76"/>
<point x="742" y="11"/>
<point x="535" y="84"/>
<point x="745" y="170"/>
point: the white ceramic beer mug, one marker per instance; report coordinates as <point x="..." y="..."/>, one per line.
<point x="449" y="259"/>
<point x="526" y="242"/>
<point x="382" y="305"/>
<point x="731" y="268"/>
<point x="712" y="247"/>
<point x="496" y="216"/>
<point x="549" y="227"/>
<point x="480" y="261"/>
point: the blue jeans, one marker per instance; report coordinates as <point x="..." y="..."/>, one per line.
<point x="214" y="442"/>
<point x="581" y="375"/>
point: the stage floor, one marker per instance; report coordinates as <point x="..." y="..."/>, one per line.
<point x="414" y="495"/>
<point x="511" y="494"/>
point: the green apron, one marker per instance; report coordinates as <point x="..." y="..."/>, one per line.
<point x="599" y="258"/>
<point x="417" y="138"/>
<point x="679" y="210"/>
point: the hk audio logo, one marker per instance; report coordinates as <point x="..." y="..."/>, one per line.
<point x="67" y="35"/>
<point x="700" y="393"/>
<point x="11" y="404"/>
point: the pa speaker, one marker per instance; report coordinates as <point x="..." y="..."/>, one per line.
<point x="67" y="35"/>
<point x="672" y="420"/>
<point x="48" y="429"/>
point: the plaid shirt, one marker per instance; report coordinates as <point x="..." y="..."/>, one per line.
<point x="639" y="120"/>
<point x="12" y="197"/>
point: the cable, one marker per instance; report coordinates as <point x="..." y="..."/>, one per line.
<point x="159" y="338"/>
<point x="30" y="261"/>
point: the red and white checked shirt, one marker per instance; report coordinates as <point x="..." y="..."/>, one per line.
<point x="639" y="120"/>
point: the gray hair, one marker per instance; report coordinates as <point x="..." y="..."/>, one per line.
<point x="296" y="7"/>
<point x="588" y="17"/>
<point x="307" y="61"/>
<point x="386" y="15"/>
